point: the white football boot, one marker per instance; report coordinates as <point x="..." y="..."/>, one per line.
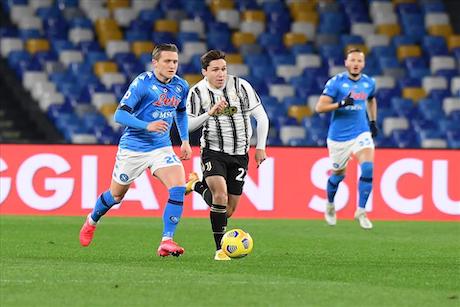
<point x="364" y="222"/>
<point x="329" y="215"/>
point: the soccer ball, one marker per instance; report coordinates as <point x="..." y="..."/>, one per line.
<point x="237" y="243"/>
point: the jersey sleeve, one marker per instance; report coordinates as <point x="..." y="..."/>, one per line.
<point x="372" y="92"/>
<point x="193" y="103"/>
<point x="134" y="94"/>
<point x="250" y="96"/>
<point x="183" y="103"/>
<point x="330" y="89"/>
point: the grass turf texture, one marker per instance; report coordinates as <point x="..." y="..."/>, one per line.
<point x="294" y="263"/>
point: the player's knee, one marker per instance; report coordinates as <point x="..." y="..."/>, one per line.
<point x="367" y="170"/>
<point x="220" y="198"/>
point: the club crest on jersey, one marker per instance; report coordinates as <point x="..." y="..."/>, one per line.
<point x="164" y="100"/>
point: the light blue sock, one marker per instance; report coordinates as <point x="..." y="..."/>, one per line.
<point x="103" y="204"/>
<point x="365" y="183"/>
<point x="173" y="211"/>
<point x="332" y="186"/>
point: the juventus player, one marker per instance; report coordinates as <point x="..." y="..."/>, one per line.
<point x="223" y="104"/>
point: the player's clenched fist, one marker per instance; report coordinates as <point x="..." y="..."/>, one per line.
<point x="158" y="126"/>
<point x="347" y="101"/>
<point x="218" y="108"/>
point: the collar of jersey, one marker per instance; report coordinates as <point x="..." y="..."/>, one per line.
<point x="155" y="76"/>
<point x="348" y="76"/>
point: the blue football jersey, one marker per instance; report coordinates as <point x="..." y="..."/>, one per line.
<point x="349" y="122"/>
<point x="152" y="100"/>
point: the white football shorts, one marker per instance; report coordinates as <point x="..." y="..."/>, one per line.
<point x="340" y="152"/>
<point x="130" y="164"/>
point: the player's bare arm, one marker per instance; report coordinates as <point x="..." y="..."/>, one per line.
<point x="260" y="156"/>
<point x="372" y="114"/>
<point x="185" y="151"/>
<point x="372" y="109"/>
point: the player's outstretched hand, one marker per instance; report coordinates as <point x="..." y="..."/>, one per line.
<point x="185" y="151"/>
<point x="159" y="126"/>
<point x="218" y="108"/>
<point x="347" y="101"/>
<point x="374" y="128"/>
<point x="260" y="156"/>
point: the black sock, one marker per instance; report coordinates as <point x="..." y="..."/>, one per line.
<point x="218" y="216"/>
<point x="204" y="191"/>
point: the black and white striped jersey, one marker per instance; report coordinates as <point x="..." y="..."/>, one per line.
<point x="229" y="132"/>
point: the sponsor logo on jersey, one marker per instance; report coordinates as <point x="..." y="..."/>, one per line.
<point x="166" y="114"/>
<point x="164" y="100"/>
<point x="358" y="95"/>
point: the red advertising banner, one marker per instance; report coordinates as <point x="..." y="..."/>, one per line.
<point x="67" y="179"/>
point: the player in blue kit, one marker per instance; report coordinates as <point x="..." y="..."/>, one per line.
<point x="151" y="103"/>
<point x="350" y="96"/>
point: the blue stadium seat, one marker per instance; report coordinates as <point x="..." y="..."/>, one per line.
<point x="430" y="109"/>
<point x="331" y="51"/>
<point x="270" y="7"/>
<point x="409" y="82"/>
<point x="385" y="95"/>
<point x="88" y="46"/>
<point x="243" y="5"/>
<point x="405" y="138"/>
<point x="302" y="49"/>
<point x="48" y="12"/>
<point x="399" y="40"/>
<point x="434" y="45"/>
<point x="80" y="22"/>
<point x="149" y="17"/>
<point x="439" y="95"/>
<point x="55" y="28"/>
<point x="347" y="39"/>
<point x="163" y="37"/>
<point x="63" y="4"/>
<point x="26" y="34"/>
<point x="137" y="35"/>
<point x="433" y="7"/>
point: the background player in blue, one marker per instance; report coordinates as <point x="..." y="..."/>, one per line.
<point x="151" y="103"/>
<point x="348" y="95"/>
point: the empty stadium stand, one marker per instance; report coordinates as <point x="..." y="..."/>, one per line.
<point x="75" y="58"/>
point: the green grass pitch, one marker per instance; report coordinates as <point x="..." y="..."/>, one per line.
<point x="294" y="263"/>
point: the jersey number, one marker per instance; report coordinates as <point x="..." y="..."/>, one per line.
<point x="171" y="159"/>
<point x="240" y="176"/>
